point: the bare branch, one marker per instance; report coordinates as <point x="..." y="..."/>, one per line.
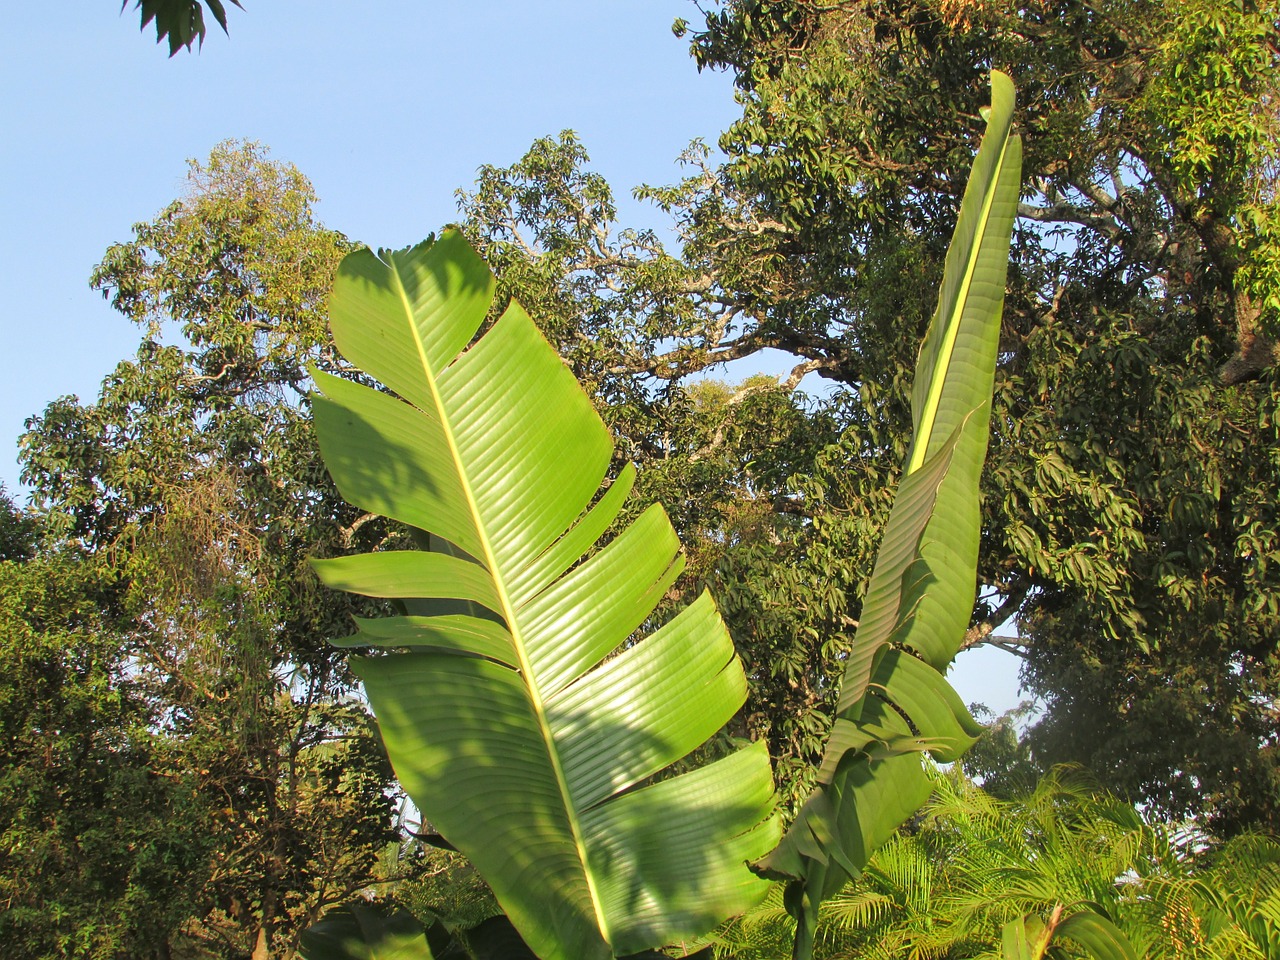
<point x="348" y="533"/>
<point x="1069" y="213"/>
<point x="1014" y="645"/>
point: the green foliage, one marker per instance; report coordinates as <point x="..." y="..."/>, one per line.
<point x="182" y="21"/>
<point x="194" y="482"/>
<point x="1241" y="891"/>
<point x="504" y="728"/>
<point x="1001" y="760"/>
<point x="975" y="876"/>
<point x="18" y="531"/>
<point x="1033" y="938"/>
<point x="449" y="891"/>
<point x="367" y="931"/>
<point x="1131" y="482"/>
<point x="542" y="765"/>
<point x="783" y="530"/>
<point x="100" y="855"/>
<point x="894" y="702"/>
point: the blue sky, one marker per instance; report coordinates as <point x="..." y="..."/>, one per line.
<point x="388" y="106"/>
<point x="388" y="112"/>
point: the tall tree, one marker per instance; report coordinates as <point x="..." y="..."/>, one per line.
<point x="97" y="857"/>
<point x="194" y="478"/>
<point x="1133" y="531"/>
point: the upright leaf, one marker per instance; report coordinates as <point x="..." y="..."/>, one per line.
<point x="894" y="701"/>
<point x="518" y="709"/>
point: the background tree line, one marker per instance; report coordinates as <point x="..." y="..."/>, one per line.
<point x="189" y="771"/>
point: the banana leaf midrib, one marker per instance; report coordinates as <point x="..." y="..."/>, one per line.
<point x="507" y="612"/>
<point x="936" y="385"/>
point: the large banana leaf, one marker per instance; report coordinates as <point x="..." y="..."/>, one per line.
<point x="519" y="713"/>
<point x="894" y="701"/>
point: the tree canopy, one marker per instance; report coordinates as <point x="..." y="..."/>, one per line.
<point x="159" y="615"/>
<point x="1131" y="490"/>
<point x="193" y="488"/>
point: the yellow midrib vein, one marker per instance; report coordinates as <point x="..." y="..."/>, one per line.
<point x="953" y="326"/>
<point x="508" y="611"/>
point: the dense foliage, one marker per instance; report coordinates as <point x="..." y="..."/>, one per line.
<point x="178" y="511"/>
<point x="94" y="854"/>
<point x="186" y="771"/>
<point x="1133" y="482"/>
<point x="1132" y="486"/>
<point x="974" y="864"/>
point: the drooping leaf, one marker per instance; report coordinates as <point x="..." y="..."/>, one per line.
<point x="366" y="931"/>
<point x="181" y="21"/>
<point x="894" y="701"/>
<point x="519" y="710"/>
<point x="1099" y="936"/>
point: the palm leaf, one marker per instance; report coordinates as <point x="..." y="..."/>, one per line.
<point x="1030" y="938"/>
<point x="518" y="712"/>
<point x="894" y="702"/>
<point x="1099" y="936"/>
<point x="1245" y="888"/>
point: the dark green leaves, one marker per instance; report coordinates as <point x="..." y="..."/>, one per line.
<point x="182" y="21"/>
<point x="366" y="931"/>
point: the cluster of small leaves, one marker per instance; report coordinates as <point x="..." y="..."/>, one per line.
<point x="18" y="531"/>
<point x="1218" y="113"/>
<point x="182" y="21"/>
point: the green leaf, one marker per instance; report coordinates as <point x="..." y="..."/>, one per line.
<point x="1255" y="911"/>
<point x="894" y="701"/>
<point x="1020" y="939"/>
<point x="493" y="939"/>
<point x="365" y="931"/>
<point x="182" y="21"/>
<point x="1098" y="935"/>
<point x="520" y="710"/>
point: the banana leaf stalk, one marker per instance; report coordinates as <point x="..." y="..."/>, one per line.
<point x="894" y="700"/>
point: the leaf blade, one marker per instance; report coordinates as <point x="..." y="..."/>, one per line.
<point x="921" y="593"/>
<point x="500" y="456"/>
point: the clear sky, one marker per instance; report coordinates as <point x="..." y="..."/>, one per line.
<point x="388" y="106"/>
